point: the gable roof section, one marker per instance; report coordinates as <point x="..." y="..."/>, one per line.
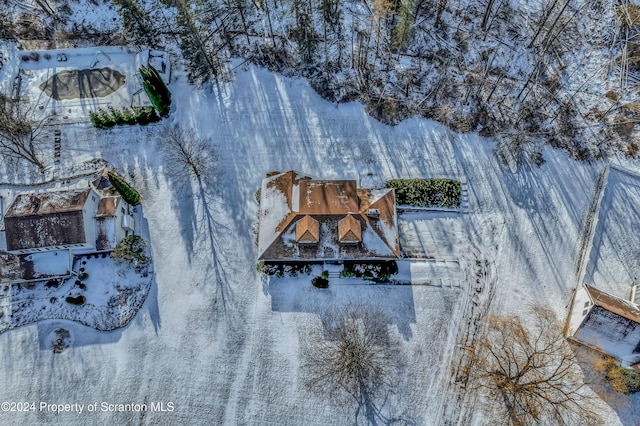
<point x="384" y="223"/>
<point x="614" y="304"/>
<point x="45" y="220"/>
<point x="307" y="230"/>
<point x="277" y="209"/>
<point x="349" y="230"/>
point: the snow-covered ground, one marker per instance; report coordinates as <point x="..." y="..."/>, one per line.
<point x="39" y="68"/>
<point x="614" y="262"/>
<point x="221" y="342"/>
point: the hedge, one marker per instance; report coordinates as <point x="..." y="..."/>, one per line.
<point x="378" y="271"/>
<point x="129" y="194"/>
<point x="111" y="118"/>
<point x="437" y="192"/>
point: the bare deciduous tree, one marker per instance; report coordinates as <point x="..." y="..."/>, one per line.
<point x="532" y="371"/>
<point x="186" y="153"/>
<point x="357" y="357"/>
<point x="19" y="136"/>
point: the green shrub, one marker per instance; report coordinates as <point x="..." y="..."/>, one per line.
<point x="622" y="379"/>
<point x="129" y="194"/>
<point x="83" y="276"/>
<point x="325" y="274"/>
<point x="347" y="274"/>
<point x="108" y="119"/>
<point x="427" y="192"/>
<point x="146" y="115"/>
<point x="131" y="249"/>
<point x="281" y="269"/>
<point x="378" y="271"/>
<point x="156" y="89"/>
<point x="320" y="282"/>
<point x="78" y="300"/>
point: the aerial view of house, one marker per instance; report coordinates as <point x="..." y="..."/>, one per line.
<point x="309" y="219"/>
<point x="609" y="324"/>
<point x="291" y="213"/>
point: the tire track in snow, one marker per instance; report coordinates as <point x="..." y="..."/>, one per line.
<point x="456" y="403"/>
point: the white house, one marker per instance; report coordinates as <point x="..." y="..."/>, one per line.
<point x="606" y="323"/>
<point x="81" y="221"/>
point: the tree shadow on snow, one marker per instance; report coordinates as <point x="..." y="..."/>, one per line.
<point x="299" y="295"/>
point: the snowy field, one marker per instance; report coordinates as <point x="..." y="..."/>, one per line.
<point x="614" y="262"/>
<point x="221" y="342"/>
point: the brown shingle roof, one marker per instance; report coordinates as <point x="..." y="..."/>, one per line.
<point x="307" y="230"/>
<point x="614" y="304"/>
<point x="328" y="196"/>
<point x="349" y="230"/>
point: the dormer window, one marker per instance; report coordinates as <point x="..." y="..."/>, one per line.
<point x="349" y="230"/>
<point x="307" y="230"/>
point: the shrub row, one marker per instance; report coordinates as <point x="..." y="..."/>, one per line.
<point x="427" y="192"/>
<point x="113" y="117"/>
<point x="129" y="194"/>
<point x="375" y="271"/>
<point x="280" y="269"/>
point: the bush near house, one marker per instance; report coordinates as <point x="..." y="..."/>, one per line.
<point x="129" y="194"/>
<point x="280" y="269"/>
<point x="374" y="271"/>
<point x="320" y="282"/>
<point x="156" y="89"/>
<point x="621" y="379"/>
<point x="131" y="249"/>
<point x="437" y="192"/>
<point x="78" y="300"/>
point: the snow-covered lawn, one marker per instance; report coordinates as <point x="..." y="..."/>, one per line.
<point x="222" y="342"/>
<point x="113" y="294"/>
<point x="614" y="262"/>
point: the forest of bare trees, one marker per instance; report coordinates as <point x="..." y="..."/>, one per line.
<point x="561" y="72"/>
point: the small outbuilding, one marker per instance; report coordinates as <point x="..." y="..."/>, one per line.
<point x="606" y="323"/>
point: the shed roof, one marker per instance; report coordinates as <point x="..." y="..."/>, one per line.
<point x="618" y="306"/>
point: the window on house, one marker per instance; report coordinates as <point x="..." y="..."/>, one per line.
<point x="93" y="198"/>
<point x="585" y="312"/>
<point x="586" y="304"/>
<point x="122" y="210"/>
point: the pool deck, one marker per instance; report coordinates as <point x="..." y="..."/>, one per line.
<point x="49" y="62"/>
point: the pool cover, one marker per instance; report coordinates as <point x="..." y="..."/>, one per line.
<point x="80" y="84"/>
